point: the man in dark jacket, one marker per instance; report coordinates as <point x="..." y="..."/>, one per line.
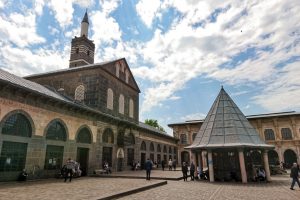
<point x="184" y="170"/>
<point x="148" y="167"/>
<point x="192" y="171"/>
<point x="294" y="175"/>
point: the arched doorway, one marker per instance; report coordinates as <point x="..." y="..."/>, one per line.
<point x="273" y="157"/>
<point x="289" y="158"/>
<point x="185" y="157"/>
<point x="120" y="157"/>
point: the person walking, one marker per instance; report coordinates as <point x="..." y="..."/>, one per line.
<point x="174" y="164"/>
<point x="148" y="166"/>
<point x="184" y="170"/>
<point x="294" y="175"/>
<point x="192" y="171"/>
<point x="70" y="168"/>
<point x="170" y="165"/>
<point x="163" y="165"/>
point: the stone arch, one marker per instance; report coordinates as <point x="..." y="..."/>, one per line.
<point x="110" y="99"/>
<point x="290" y="157"/>
<point x="56" y="130"/>
<point x="17" y="116"/>
<point x="143" y="146"/>
<point x="151" y="147"/>
<point x="273" y="157"/>
<point x="108" y="136"/>
<point x="130" y="139"/>
<point x="84" y="135"/>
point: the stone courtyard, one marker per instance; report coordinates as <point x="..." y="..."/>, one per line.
<point x="125" y="183"/>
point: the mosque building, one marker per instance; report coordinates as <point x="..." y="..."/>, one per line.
<point x="90" y="112"/>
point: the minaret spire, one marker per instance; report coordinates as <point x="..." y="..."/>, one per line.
<point x="82" y="48"/>
<point x="85" y="25"/>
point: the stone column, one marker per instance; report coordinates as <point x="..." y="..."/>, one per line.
<point x="280" y="154"/>
<point x="242" y="166"/>
<point x="204" y="159"/>
<point x="210" y="166"/>
<point x="266" y="164"/>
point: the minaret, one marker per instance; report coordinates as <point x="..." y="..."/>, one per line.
<point x="82" y="49"/>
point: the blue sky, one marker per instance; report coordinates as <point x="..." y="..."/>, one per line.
<point x="180" y="52"/>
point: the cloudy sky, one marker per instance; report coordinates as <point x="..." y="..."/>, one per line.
<point x="180" y="51"/>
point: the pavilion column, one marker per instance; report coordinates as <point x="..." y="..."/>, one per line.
<point x="199" y="162"/>
<point x="210" y="166"/>
<point x="242" y="166"/>
<point x="204" y="159"/>
<point x="266" y="164"/>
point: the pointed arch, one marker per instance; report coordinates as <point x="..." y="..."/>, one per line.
<point x="151" y="147"/>
<point x="108" y="136"/>
<point x="84" y="135"/>
<point x="17" y="123"/>
<point x="56" y="130"/>
<point x="143" y="146"/>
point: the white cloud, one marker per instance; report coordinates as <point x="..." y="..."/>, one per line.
<point x="20" y="29"/>
<point x="148" y="10"/>
<point x="24" y="61"/>
<point x="193" y="116"/>
<point x="283" y="92"/>
<point x="38" y="6"/>
<point x="63" y="11"/>
<point x="186" y="51"/>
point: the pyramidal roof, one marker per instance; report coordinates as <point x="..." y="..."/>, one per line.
<point x="226" y="126"/>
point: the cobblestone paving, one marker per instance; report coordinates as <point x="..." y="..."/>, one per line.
<point x="95" y="188"/>
<point x="277" y="190"/>
<point x="82" y="188"/>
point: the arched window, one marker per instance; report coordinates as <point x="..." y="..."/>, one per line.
<point x="170" y="150"/>
<point x="183" y="139"/>
<point x="151" y="147"/>
<point x="131" y="108"/>
<point x="129" y="139"/>
<point x="77" y="50"/>
<point x="17" y="125"/>
<point x="194" y="136"/>
<point x="165" y="149"/>
<point x="121" y="104"/>
<point x="84" y="136"/>
<point x="108" y="136"/>
<point x="110" y="99"/>
<point x="126" y="76"/>
<point x="117" y="65"/>
<point x="286" y="134"/>
<point x="56" y="131"/>
<point x="143" y="146"/>
<point x="79" y="93"/>
<point x="158" y="148"/>
<point x="269" y="134"/>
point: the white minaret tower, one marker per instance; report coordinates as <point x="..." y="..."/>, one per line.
<point x="85" y="26"/>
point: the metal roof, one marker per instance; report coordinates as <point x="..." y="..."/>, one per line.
<point x="226" y="126"/>
<point x="85" y="18"/>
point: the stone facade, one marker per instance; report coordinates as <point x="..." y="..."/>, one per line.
<point x="286" y="148"/>
<point x="96" y="80"/>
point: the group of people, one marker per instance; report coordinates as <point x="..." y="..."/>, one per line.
<point x="171" y="165"/>
<point x="185" y="169"/>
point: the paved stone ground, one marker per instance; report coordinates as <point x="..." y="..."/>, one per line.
<point x="278" y="189"/>
<point x="95" y="188"/>
<point x="80" y="188"/>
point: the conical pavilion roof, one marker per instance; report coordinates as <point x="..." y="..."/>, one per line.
<point x="226" y="126"/>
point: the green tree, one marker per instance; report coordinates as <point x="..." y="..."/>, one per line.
<point x="154" y="123"/>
